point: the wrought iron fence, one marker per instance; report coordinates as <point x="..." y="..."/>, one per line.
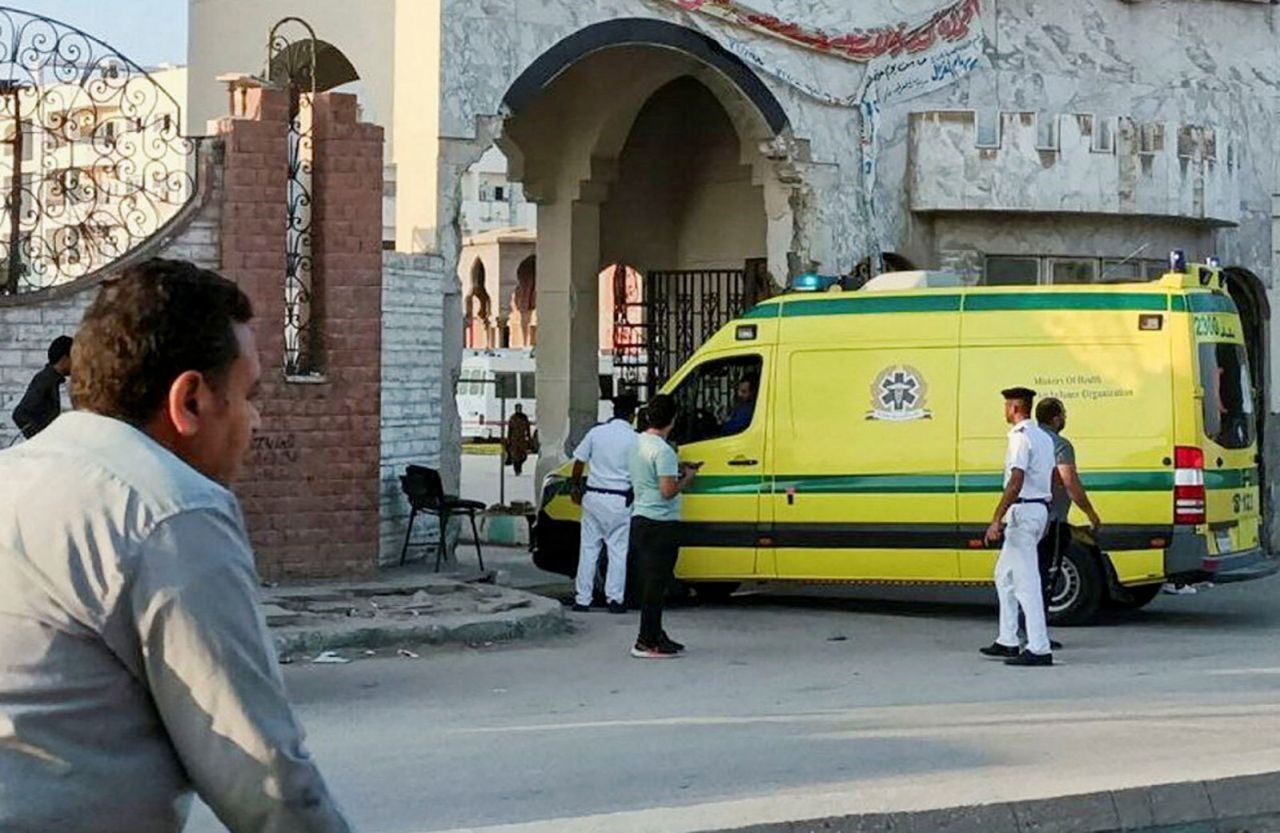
<point x="92" y="156"/>
<point x="679" y="311"/>
<point x="291" y="66"/>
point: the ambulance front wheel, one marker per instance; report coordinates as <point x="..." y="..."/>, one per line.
<point x="1080" y="589"/>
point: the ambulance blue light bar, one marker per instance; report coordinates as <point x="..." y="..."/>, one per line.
<point x="810" y="282"/>
<point x="1178" y="261"/>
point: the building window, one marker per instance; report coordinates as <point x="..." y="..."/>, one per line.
<point x="1072" y="270"/>
<point x="1121" y="271"/>
<point x="499" y="194"/>
<point x="1027" y="270"/>
<point x="504" y="385"/>
<point x="528" y="386"/>
<point x="1011" y="271"/>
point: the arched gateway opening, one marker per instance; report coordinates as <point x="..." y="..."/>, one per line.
<point x="642" y="143"/>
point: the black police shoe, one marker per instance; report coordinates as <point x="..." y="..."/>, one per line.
<point x="998" y="651"/>
<point x="1030" y="660"/>
<point x="577" y="608"/>
<point x="617" y="607"/>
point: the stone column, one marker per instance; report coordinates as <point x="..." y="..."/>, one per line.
<point x="568" y="349"/>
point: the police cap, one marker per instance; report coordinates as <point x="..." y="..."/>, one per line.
<point x="1018" y="393"/>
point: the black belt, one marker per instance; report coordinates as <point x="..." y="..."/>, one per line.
<point x="1045" y="502"/>
<point x="627" y="494"/>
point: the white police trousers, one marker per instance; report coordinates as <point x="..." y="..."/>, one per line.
<point x="606" y="519"/>
<point x="1018" y="577"/>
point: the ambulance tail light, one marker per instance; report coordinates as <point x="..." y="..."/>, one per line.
<point x="1188" y="486"/>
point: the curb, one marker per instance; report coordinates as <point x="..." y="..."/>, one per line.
<point x="1245" y="804"/>
<point x="545" y="618"/>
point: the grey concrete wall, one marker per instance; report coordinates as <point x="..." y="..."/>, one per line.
<point x="415" y="390"/>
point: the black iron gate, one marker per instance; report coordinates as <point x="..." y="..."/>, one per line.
<point x="657" y="328"/>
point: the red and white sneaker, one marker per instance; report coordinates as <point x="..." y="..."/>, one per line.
<point x="643" y="650"/>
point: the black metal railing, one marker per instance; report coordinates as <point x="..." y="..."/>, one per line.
<point x="679" y="311"/>
<point x="291" y="66"/>
<point x="92" y="156"/>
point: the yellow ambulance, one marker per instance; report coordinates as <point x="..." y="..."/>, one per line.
<point x="873" y="439"/>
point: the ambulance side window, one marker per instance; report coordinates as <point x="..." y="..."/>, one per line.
<point x="1228" y="395"/>
<point x="718" y="399"/>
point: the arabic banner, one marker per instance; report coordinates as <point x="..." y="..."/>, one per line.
<point x="949" y="24"/>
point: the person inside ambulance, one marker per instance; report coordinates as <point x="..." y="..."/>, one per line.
<point x="1020" y="519"/>
<point x="743" y="410"/>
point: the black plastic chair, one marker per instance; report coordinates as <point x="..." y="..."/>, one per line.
<point x="426" y="495"/>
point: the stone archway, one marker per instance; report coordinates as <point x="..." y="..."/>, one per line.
<point x="478" y="308"/>
<point x="524" y="304"/>
<point x="645" y="143"/>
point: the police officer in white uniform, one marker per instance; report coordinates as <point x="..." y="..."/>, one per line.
<point x="606" y="504"/>
<point x="1024" y="513"/>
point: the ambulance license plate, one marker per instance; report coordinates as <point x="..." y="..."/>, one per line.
<point x="1223" y="538"/>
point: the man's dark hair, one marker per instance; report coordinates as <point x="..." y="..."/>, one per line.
<point x="59" y="349"/>
<point x="1023" y="396"/>
<point x="1049" y="409"/>
<point x="158" y="320"/>
<point x="624" y="406"/>
<point x="661" y="411"/>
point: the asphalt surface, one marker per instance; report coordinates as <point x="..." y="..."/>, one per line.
<point x="794" y="706"/>
<point x="481" y="481"/>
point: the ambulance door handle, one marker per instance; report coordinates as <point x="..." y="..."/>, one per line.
<point x="743" y="461"/>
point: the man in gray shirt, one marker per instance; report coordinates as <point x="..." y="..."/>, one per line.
<point x="135" y="666"/>
<point x="1052" y="416"/>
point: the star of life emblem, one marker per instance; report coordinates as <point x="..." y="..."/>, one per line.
<point x="898" y="395"/>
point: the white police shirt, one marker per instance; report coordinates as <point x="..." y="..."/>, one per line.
<point x="1030" y="449"/>
<point x="607" y="452"/>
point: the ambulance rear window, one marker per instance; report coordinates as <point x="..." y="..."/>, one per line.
<point x="1228" y="395"/>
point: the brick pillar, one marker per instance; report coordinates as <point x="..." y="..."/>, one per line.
<point x="310" y="494"/>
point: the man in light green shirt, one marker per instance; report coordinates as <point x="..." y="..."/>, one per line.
<point x="135" y="665"/>
<point x="657" y="479"/>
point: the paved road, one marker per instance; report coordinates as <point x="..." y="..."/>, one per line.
<point x="480" y="479"/>
<point x="791" y="706"/>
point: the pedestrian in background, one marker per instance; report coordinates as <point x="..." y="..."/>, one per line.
<point x="658" y="478"/>
<point x="135" y="663"/>
<point x="1051" y="415"/>
<point x="605" y="498"/>
<point x="1020" y="518"/>
<point x="519" y="439"/>
<point x="42" y="403"/>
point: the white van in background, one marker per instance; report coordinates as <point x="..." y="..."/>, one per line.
<point x="487" y="374"/>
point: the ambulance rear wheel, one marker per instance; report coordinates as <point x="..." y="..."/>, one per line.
<point x="715" y="591"/>
<point x="1080" y="589"/>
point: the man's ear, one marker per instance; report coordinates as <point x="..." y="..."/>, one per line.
<point x="184" y="403"/>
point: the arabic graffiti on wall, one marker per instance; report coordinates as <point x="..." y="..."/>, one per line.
<point x="947" y="25"/>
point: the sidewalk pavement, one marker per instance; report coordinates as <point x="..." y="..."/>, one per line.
<point x="402" y="607"/>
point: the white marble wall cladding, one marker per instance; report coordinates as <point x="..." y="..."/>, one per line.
<point x="1206" y="65"/>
